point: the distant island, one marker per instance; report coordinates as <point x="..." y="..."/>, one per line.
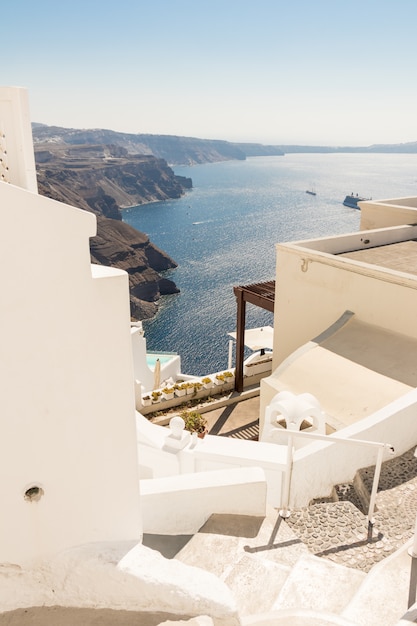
<point x="103" y="171"/>
<point x="399" y="148"/>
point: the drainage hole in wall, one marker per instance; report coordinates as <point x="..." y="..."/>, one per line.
<point x="33" y="494"/>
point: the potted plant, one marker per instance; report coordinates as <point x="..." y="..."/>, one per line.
<point x="207" y="382"/>
<point x="146" y="400"/>
<point x="189" y="388"/>
<point x="156" y="396"/>
<point x="196" y="386"/>
<point x="219" y="379"/>
<point x="228" y="377"/>
<point x="195" y="423"/>
<point x="180" y="390"/>
<point x="168" y="393"/>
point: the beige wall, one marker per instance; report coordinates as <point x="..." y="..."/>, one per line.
<point x="313" y="290"/>
<point x="391" y="212"/>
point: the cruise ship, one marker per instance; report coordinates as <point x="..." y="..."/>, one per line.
<point x="352" y="201"/>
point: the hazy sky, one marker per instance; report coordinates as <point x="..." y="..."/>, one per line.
<point x="335" y="72"/>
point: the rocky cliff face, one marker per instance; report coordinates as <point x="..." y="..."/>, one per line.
<point x="119" y="245"/>
<point x="101" y="179"/>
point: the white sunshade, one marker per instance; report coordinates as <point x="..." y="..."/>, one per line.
<point x="157" y="374"/>
<point x="258" y="338"/>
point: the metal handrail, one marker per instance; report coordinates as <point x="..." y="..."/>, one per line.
<point x="284" y="512"/>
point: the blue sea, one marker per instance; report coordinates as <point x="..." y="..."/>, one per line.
<point x="223" y="232"/>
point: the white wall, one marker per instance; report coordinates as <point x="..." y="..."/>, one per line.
<point x="17" y="165"/>
<point x="142" y="373"/>
<point x="192" y="498"/>
<point x="66" y="390"/>
<point x="320" y="466"/>
<point x="159" y="460"/>
<point x="196" y="481"/>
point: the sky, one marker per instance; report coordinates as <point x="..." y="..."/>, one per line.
<point x="311" y="72"/>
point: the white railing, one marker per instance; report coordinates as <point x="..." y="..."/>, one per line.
<point x="284" y="511"/>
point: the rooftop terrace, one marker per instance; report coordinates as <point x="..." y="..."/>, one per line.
<point x="401" y="256"/>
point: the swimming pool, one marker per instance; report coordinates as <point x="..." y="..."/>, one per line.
<point x="164" y="357"/>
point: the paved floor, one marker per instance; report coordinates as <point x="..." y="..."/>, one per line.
<point x="240" y="419"/>
<point x="227" y="415"/>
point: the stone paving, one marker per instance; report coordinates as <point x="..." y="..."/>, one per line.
<point x="339" y="530"/>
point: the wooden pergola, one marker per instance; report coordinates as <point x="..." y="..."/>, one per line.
<point x="261" y="295"/>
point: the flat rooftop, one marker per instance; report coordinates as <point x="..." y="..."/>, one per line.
<point x="401" y="256"/>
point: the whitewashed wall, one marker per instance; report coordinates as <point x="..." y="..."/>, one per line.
<point x="320" y="466"/>
<point x="66" y="389"/>
<point x="158" y="460"/>
<point x="192" y="498"/>
<point x="17" y="164"/>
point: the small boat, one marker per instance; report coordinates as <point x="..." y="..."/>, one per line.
<point x="352" y="201"/>
<point x="311" y="192"/>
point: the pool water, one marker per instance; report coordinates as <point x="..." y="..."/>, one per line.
<point x="151" y="358"/>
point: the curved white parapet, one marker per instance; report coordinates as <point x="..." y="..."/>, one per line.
<point x="288" y="411"/>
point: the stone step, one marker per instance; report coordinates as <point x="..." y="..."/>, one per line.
<point x="318" y="584"/>
<point x="253" y="556"/>
<point x="268" y="567"/>
<point x="273" y="573"/>
<point x="383" y="596"/>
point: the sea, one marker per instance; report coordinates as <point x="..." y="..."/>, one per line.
<point x="223" y="233"/>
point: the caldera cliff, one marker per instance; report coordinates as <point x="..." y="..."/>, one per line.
<point x="103" y="179"/>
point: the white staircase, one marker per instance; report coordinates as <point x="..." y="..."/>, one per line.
<point x="277" y="581"/>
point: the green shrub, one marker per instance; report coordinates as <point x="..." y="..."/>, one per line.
<point x="194" y="421"/>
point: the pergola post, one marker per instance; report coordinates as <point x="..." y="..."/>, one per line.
<point x="240" y="338"/>
<point x="259" y="294"/>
